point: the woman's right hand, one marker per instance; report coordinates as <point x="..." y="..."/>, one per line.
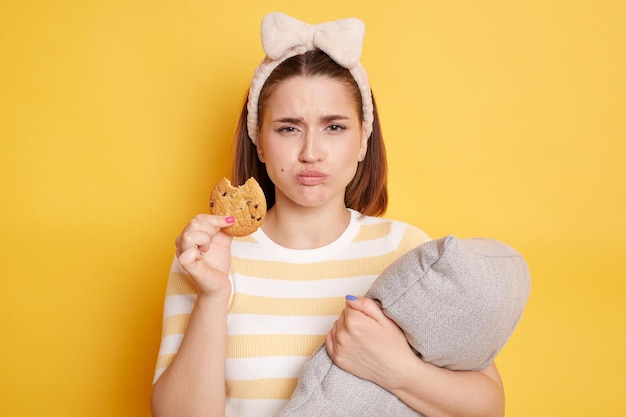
<point x="203" y="250"/>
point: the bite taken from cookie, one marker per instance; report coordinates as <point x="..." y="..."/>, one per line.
<point x="245" y="202"/>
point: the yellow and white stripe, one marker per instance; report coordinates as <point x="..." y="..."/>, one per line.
<point x="283" y="303"/>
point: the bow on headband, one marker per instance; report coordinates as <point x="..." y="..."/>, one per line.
<point x="342" y="40"/>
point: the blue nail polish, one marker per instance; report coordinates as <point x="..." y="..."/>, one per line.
<point x="351" y="297"/>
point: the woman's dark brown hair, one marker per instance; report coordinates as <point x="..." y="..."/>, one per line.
<point x="367" y="192"/>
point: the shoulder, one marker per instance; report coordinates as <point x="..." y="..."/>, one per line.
<point x="402" y="235"/>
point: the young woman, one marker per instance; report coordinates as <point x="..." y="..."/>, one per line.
<point x="243" y="315"/>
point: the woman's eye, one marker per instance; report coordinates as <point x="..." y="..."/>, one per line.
<point x="287" y="129"/>
<point x="335" y="128"/>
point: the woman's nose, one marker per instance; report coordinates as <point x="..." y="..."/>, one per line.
<point x="311" y="147"/>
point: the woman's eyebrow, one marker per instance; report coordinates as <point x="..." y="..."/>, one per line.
<point x="292" y="120"/>
<point x="333" y="117"/>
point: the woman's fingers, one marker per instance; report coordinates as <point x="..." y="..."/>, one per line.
<point x="365" y="306"/>
<point x="199" y="240"/>
<point x="189" y="258"/>
<point x="199" y="232"/>
<point x="359" y="324"/>
<point x="204" y="252"/>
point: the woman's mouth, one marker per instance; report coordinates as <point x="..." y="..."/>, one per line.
<point x="311" y="177"/>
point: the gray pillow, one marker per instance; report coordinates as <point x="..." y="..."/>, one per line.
<point x="457" y="301"/>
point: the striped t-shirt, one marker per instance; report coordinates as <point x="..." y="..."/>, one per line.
<point x="283" y="303"/>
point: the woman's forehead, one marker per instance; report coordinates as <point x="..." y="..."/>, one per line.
<point x="312" y="92"/>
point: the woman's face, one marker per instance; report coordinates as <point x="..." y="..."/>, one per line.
<point x="311" y="140"/>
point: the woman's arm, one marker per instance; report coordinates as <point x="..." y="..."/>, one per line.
<point x="438" y="391"/>
<point x="193" y="384"/>
<point x="368" y="344"/>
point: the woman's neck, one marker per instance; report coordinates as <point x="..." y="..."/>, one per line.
<point x="304" y="227"/>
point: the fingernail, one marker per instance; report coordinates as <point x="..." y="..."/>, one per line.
<point x="351" y="297"/>
<point x="230" y="219"/>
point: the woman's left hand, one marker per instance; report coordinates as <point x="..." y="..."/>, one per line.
<point x="366" y="343"/>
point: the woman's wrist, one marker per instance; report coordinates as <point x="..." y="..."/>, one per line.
<point x="405" y="375"/>
<point x="214" y="300"/>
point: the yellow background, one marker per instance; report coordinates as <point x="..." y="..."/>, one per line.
<point x="502" y="119"/>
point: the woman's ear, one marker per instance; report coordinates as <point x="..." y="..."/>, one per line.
<point x="259" y="149"/>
